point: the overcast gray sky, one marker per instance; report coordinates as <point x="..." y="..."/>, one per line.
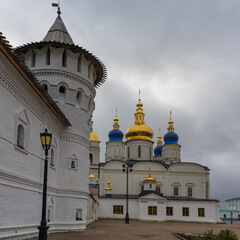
<point x="183" y="55"/>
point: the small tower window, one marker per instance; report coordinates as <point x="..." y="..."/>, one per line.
<point x="79" y="66"/>
<point x="89" y="68"/>
<point x="62" y="89"/>
<point x="78" y="98"/>
<point x="139" y="151"/>
<point x="91" y="157"/>
<point x="33" y="59"/>
<point x="20" y="136"/>
<point x="128" y="152"/>
<point x="64" y="58"/>
<point x="48" y="56"/>
<point x="45" y="87"/>
<point x="150" y="153"/>
<point x="158" y="190"/>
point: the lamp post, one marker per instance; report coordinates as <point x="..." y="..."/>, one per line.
<point x="46" y="144"/>
<point x="126" y="169"/>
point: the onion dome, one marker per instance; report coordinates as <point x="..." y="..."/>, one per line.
<point x="150" y="179"/>
<point x="91" y="175"/>
<point x="115" y="134"/>
<point x="171" y="137"/>
<point x="158" y="148"/>
<point x="139" y="131"/>
<point x="93" y="135"/>
<point x="108" y="187"/>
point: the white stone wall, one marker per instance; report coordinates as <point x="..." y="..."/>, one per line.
<point x="138" y="209"/>
<point x="115" y="150"/>
<point x="146" y="150"/>
<point x="211" y="211"/>
<point x="171" y="153"/>
<point x="182" y="175"/>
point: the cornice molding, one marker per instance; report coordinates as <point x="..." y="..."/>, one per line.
<point x="77" y="139"/>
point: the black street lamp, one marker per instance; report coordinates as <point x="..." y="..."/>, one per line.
<point x="46" y="139"/>
<point x="127" y="170"/>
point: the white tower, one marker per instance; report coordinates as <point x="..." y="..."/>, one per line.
<point x="69" y="74"/>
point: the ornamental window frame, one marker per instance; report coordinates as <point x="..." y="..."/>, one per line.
<point x="201" y="212"/>
<point x="22" y="131"/>
<point x="118" y="209"/>
<point x="73" y="162"/>
<point x="152" y="210"/>
<point x="169" y="211"/>
<point x="185" y="212"/>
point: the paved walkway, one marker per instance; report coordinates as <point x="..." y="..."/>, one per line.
<point x="118" y="230"/>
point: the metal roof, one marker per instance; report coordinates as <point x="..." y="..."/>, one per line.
<point x="58" y="33"/>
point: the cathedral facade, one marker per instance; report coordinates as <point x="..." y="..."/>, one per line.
<point x="48" y="84"/>
<point x="148" y="183"/>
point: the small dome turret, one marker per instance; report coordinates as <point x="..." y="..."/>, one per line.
<point x="115" y="134"/>
<point x="171" y="137"/>
<point x="158" y="148"/>
<point x="139" y="131"/>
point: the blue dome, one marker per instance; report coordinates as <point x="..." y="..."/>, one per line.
<point x="171" y="138"/>
<point x="115" y="135"/>
<point x="158" y="151"/>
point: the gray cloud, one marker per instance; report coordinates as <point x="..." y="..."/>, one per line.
<point x="183" y="55"/>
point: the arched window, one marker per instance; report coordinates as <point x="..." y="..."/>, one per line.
<point x="150" y="153"/>
<point x="48" y="56"/>
<point x="20" y="136"/>
<point x="90" y="102"/>
<point x="91" y="157"/>
<point x="128" y="152"/>
<point x="189" y="192"/>
<point x="158" y="190"/>
<point x="175" y="191"/>
<point x="78" y="98"/>
<point x="64" y="58"/>
<point x="150" y="185"/>
<point x="52" y="158"/>
<point x="139" y="151"/>
<point x="62" y="89"/>
<point x="45" y="86"/>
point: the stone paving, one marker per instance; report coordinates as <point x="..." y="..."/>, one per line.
<point x="118" y="230"/>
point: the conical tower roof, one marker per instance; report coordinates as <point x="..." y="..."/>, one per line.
<point x="58" y="33"/>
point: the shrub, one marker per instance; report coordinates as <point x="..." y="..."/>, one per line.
<point x="209" y="235"/>
<point x="227" y="235"/>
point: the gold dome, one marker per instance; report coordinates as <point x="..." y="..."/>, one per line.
<point x="93" y="135"/>
<point x="139" y="131"/>
<point x="91" y="175"/>
<point x="149" y="178"/>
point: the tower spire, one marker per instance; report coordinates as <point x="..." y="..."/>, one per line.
<point x="170" y="128"/>
<point x="159" y="142"/>
<point x="116" y="119"/>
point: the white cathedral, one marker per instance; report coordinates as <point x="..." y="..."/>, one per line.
<point x="145" y="187"/>
<point x="52" y="84"/>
